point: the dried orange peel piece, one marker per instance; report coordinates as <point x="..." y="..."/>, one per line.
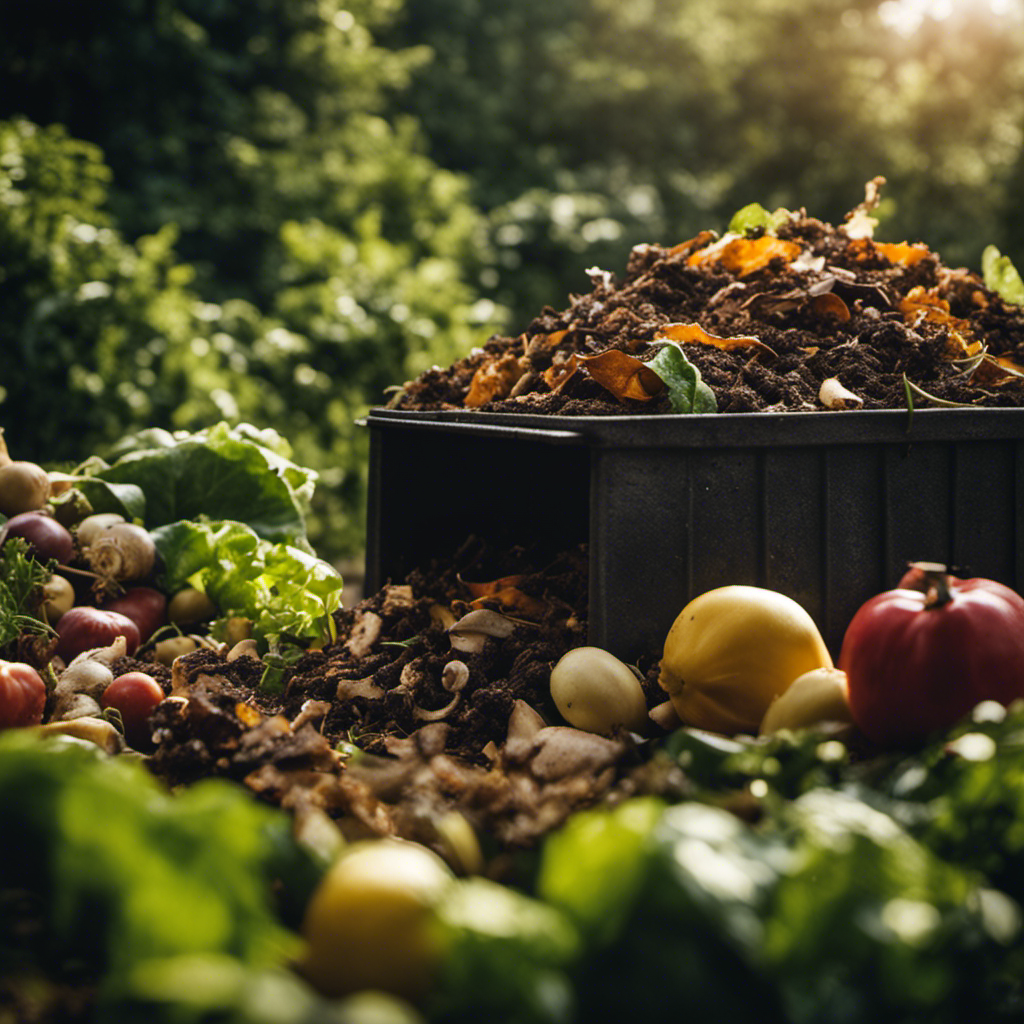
<point x="743" y="256"/>
<point x="694" y="334"/>
<point x="903" y="254"/>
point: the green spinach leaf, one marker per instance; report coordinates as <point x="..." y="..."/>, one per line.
<point x="686" y="391"/>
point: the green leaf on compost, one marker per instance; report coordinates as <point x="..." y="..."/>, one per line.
<point x="687" y="393"/>
<point x="1002" y="276"/>
<point x="754" y="216"/>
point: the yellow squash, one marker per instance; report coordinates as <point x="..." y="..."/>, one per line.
<point x="731" y="651"/>
<point x="369" y="924"/>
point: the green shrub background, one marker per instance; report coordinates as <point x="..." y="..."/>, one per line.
<point x="272" y="211"/>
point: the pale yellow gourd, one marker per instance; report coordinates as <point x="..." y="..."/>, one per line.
<point x="815" y="697"/>
<point x="732" y="651"/>
<point x="370" y="925"/>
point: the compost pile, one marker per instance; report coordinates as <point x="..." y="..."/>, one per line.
<point x="766" y="316"/>
<point x="409" y="714"/>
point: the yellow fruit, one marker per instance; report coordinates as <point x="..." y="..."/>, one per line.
<point x="814" y="697"/>
<point x="596" y="692"/>
<point x="370" y="923"/>
<point x="731" y="651"/>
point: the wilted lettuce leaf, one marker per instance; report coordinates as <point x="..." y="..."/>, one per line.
<point x="280" y="588"/>
<point x="220" y="474"/>
<point x="754" y="216"/>
<point x="1001" y="275"/>
<point x="686" y="391"/>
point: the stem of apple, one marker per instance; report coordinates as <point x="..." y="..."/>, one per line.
<point x="938" y="593"/>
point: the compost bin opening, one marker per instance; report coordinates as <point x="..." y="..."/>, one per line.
<point x="431" y="489"/>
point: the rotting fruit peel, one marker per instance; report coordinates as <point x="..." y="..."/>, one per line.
<point x="732" y="650"/>
<point x="916" y="662"/>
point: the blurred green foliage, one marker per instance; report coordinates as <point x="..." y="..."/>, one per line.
<point x="327" y="254"/>
<point x="588" y="126"/>
<point x="273" y="211"/>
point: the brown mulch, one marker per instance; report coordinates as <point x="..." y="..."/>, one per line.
<point x="366" y="730"/>
<point x="871" y="315"/>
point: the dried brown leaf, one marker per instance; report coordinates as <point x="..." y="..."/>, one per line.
<point x="828" y="304"/>
<point x="512" y="599"/>
<point x="923" y="304"/>
<point x="558" y="374"/>
<point x="494" y="380"/>
<point x="996" y="371"/>
<point x="623" y="375"/>
<point x="492" y="586"/>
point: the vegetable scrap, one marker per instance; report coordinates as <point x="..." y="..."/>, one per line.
<point x="761" y="318"/>
<point x="434" y="699"/>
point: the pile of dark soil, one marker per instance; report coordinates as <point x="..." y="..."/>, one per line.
<point x="803" y="304"/>
<point x="403" y="719"/>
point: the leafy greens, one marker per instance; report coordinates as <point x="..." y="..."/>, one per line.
<point x="284" y="591"/>
<point x="687" y="393"/>
<point x="165" y="904"/>
<point x="221" y="473"/>
<point x="1002" y="276"/>
<point x="21" y="582"/>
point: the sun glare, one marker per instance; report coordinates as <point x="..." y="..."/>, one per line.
<point x="907" y="16"/>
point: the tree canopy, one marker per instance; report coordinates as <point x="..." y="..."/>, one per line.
<point x="273" y="211"/>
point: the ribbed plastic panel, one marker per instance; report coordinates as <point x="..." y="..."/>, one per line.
<point x="825" y="507"/>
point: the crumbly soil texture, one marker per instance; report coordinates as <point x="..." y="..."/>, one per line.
<point x="408" y="715"/>
<point x="890" y="322"/>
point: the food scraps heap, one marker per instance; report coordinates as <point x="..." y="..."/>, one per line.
<point x="781" y="313"/>
<point x="432" y="707"/>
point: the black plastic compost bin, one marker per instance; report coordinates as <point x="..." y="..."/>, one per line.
<point x="825" y="507"/>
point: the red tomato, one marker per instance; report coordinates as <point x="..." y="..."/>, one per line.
<point x="135" y="695"/>
<point x="22" y="695"/>
<point x="918" y="662"/>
